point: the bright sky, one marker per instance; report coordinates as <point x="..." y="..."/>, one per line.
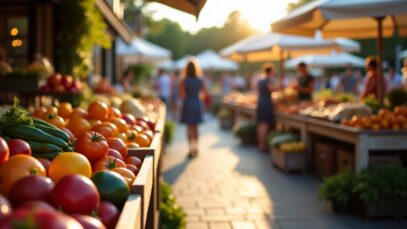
<point x="259" y="13"/>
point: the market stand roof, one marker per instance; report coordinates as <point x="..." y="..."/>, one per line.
<point x="335" y="60"/>
<point x="188" y="6"/>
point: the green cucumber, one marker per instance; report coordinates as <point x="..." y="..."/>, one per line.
<point x="54" y="132"/>
<point x="39" y="147"/>
<point x="49" y="156"/>
<point x="31" y="133"/>
<point x="38" y="121"/>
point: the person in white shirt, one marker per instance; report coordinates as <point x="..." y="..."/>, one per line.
<point x="163" y="86"/>
<point x="393" y="79"/>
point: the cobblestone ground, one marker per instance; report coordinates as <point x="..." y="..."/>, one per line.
<point x="230" y="186"/>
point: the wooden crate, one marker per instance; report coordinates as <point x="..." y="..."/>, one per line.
<point x="143" y="186"/>
<point x="288" y="162"/>
<point x="130" y="218"/>
<point x="344" y="160"/>
<point x="325" y="159"/>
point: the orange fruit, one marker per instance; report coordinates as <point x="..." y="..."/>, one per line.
<point x="79" y="112"/>
<point x="114" y="112"/>
<point x="106" y="129"/>
<point x="132" y="145"/>
<point x="142" y="140"/>
<point x="65" y="110"/>
<point x="94" y="122"/>
<point x="123" y="137"/>
<point x="39" y="112"/>
<point x="149" y="134"/>
<point x="51" y="110"/>
<point x="98" y="110"/>
<point x="78" y="125"/>
<point x="55" y="120"/>
<point x="119" y="123"/>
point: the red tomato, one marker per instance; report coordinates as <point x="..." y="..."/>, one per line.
<point x="108" y="214"/>
<point x="107" y="163"/>
<point x="18" y="146"/>
<point x="70" y="134"/>
<point x="132" y="168"/>
<point x="134" y="161"/>
<point x="75" y="194"/>
<point x="114" y="153"/>
<point x="5" y="207"/>
<point x="129" y="118"/>
<point x="4" y="151"/>
<point x="38" y="205"/>
<point x="93" y="145"/>
<point x="88" y="222"/>
<point x="38" y="218"/>
<point x="128" y="175"/>
<point x="119" y="145"/>
<point x="31" y="188"/>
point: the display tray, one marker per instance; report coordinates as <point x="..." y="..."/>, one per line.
<point x="130" y="218"/>
<point x="288" y="162"/>
<point x="143" y="186"/>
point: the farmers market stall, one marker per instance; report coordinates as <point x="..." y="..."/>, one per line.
<point x="310" y="128"/>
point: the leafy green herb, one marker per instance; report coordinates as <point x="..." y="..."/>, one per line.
<point x="338" y="188"/>
<point x="15" y="115"/>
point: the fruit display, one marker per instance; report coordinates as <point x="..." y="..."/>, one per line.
<point x="292" y="147"/>
<point x="395" y="119"/>
<point x="58" y="160"/>
<point x="336" y="112"/>
<point x="61" y="83"/>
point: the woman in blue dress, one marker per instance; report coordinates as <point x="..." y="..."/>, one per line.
<point x="192" y="89"/>
<point x="265" y="110"/>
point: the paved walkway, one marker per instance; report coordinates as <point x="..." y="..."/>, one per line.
<point x="230" y="186"/>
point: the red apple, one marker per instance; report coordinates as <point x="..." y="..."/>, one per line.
<point x="54" y="80"/>
<point x="67" y="81"/>
<point x="129" y="118"/>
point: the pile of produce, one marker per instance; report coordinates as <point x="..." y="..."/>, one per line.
<point x="107" y="121"/>
<point x="292" y="147"/>
<point x="246" y="131"/>
<point x="280" y="138"/>
<point x="384" y="120"/>
<point x="51" y="178"/>
<point x="61" y="83"/>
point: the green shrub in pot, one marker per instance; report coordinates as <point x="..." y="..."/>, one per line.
<point x="376" y="183"/>
<point x="225" y="113"/>
<point x="246" y="131"/>
<point x="338" y="190"/>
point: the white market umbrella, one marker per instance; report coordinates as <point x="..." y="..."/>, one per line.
<point x="182" y="62"/>
<point x="335" y="60"/>
<point x="275" y="46"/>
<point x="350" y="18"/>
<point x="210" y="60"/>
<point x="140" y="50"/>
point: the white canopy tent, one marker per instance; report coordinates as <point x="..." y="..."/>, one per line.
<point x="335" y="60"/>
<point x="275" y="46"/>
<point x="141" y="51"/>
<point x="209" y="61"/>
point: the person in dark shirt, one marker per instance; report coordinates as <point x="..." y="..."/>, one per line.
<point x="305" y="83"/>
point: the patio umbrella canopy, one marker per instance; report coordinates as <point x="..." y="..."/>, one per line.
<point x="275" y="46"/>
<point x="335" y="60"/>
<point x="140" y="50"/>
<point x="188" y="6"/>
<point x="350" y="18"/>
<point x="209" y="61"/>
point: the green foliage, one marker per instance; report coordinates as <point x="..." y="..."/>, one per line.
<point x="141" y="72"/>
<point x="244" y="129"/>
<point x="281" y="138"/>
<point x="15" y="115"/>
<point x="338" y="188"/>
<point x="397" y="97"/>
<point x="373" y="103"/>
<point x="375" y="183"/>
<point x="171" y="215"/>
<point x="20" y="73"/>
<point x="82" y="28"/>
<point x="294" y="5"/>
<point x="169" y="130"/>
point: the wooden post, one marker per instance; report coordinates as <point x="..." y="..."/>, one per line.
<point x="282" y="68"/>
<point x="380" y="80"/>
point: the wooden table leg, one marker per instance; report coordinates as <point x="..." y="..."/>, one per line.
<point x="362" y="153"/>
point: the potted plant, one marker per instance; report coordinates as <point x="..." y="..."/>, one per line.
<point x="246" y="131"/>
<point x="381" y="191"/>
<point x="225" y="119"/>
<point x="338" y="190"/>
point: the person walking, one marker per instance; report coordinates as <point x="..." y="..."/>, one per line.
<point x="175" y="94"/>
<point x="191" y="88"/>
<point x="265" y="110"/>
<point x="163" y="86"/>
<point x="371" y="79"/>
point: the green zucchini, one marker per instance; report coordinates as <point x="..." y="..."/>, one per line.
<point x="38" y="121"/>
<point x="31" y="133"/>
<point x="39" y="147"/>
<point x="49" y="156"/>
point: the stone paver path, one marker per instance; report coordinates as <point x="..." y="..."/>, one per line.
<point x="230" y="186"/>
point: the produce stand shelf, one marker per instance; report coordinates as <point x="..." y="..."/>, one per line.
<point x="130" y="218"/>
<point x="363" y="140"/>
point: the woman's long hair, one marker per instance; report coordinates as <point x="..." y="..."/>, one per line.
<point x="192" y="69"/>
